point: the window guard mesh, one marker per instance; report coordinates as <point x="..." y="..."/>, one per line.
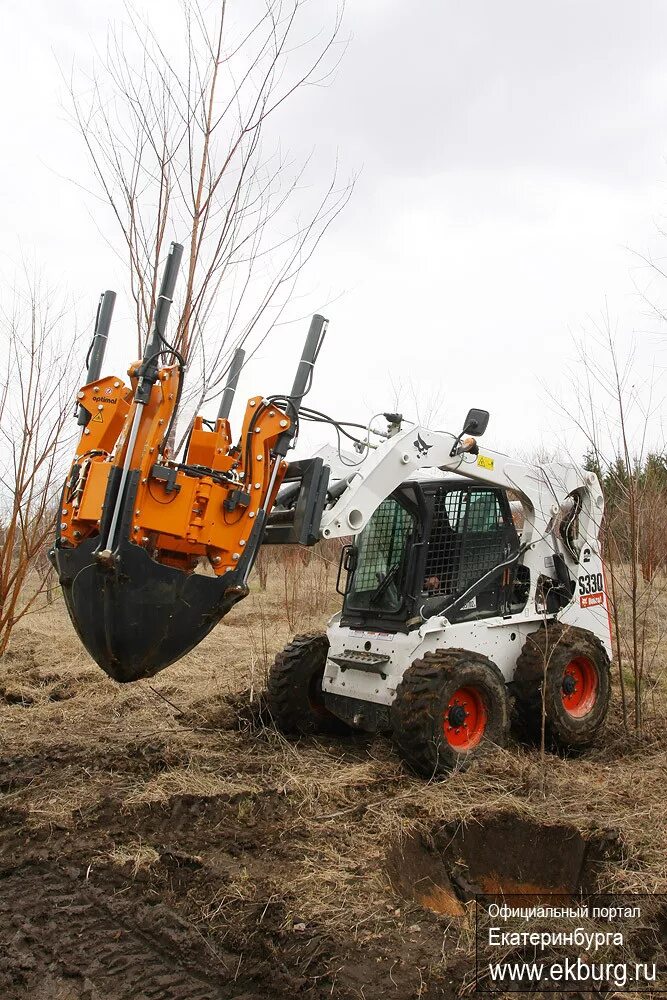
<point x="468" y="538"/>
<point x="382" y="544"/>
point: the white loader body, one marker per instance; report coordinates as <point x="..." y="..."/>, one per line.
<point x="550" y="495"/>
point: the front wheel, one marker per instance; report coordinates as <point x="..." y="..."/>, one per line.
<point x="563" y="673"/>
<point x="450" y="707"/>
<point x="295" y="694"/>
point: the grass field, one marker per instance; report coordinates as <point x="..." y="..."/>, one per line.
<point x="163" y="840"/>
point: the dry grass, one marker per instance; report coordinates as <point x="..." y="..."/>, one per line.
<point x="137" y="856"/>
<point x="328" y="812"/>
<point x="191" y="780"/>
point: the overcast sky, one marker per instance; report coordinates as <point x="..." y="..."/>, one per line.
<point x="510" y="156"/>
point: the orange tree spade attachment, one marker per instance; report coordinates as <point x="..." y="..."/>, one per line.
<point x="137" y="527"/>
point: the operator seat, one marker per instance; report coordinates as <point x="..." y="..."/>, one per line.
<point x="443" y="560"/>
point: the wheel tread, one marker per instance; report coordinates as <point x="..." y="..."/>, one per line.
<point x="529" y="677"/>
<point x="289" y="712"/>
<point x="413" y="707"/>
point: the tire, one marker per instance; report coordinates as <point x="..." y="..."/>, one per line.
<point x="577" y="686"/>
<point x="430" y="700"/>
<point x="295" y="695"/>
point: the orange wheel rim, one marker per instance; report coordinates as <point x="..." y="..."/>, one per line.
<point x="465" y="719"/>
<point x="579" y="687"/>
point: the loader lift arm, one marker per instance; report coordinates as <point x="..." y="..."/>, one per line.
<point x="544" y="491"/>
<point x="416" y="447"/>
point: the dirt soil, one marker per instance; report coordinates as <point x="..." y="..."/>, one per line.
<point x="163" y="841"/>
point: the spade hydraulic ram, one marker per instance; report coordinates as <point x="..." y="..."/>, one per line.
<point x="137" y="527"/>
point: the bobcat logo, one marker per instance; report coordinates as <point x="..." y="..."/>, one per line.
<point x="421" y="446"/>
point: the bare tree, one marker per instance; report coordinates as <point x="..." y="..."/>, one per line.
<point x="427" y="407"/>
<point x="35" y="399"/>
<point x="617" y="414"/>
<point x="176" y="136"/>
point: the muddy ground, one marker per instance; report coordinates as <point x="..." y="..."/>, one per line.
<point x="160" y="841"/>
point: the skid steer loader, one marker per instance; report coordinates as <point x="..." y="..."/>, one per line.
<point x="449" y="616"/>
<point x="448" y="612"/>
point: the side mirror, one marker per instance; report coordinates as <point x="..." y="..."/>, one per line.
<point x="476" y="422"/>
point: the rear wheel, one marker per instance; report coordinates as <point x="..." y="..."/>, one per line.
<point x="450" y="706"/>
<point x="572" y="667"/>
<point x="295" y="694"/>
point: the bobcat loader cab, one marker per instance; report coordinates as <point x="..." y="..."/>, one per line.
<point x="449" y="614"/>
